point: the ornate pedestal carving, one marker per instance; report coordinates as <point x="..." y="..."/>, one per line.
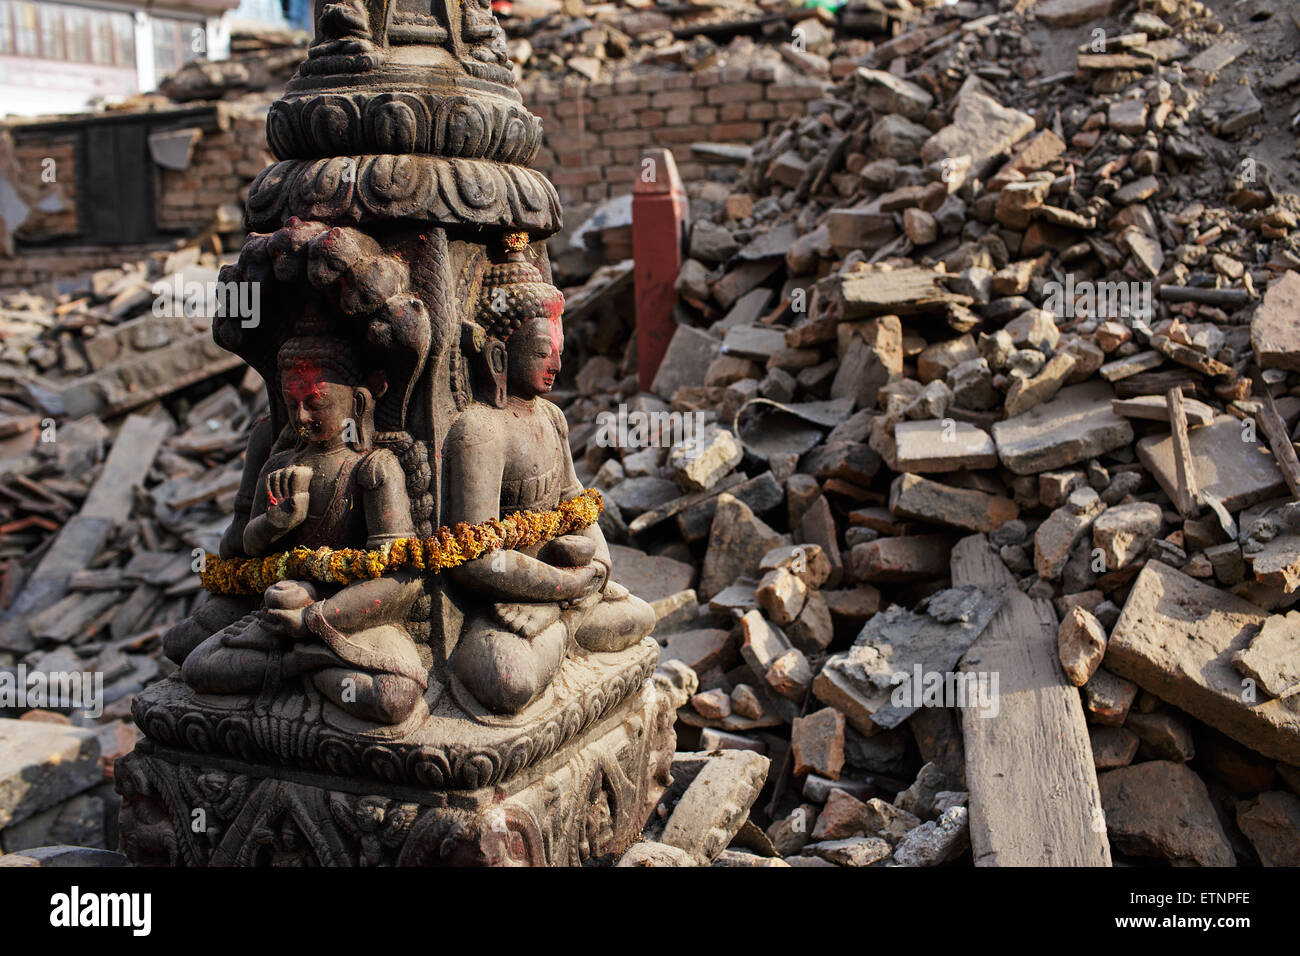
<point x="412" y="650"/>
<point x="583" y="801"/>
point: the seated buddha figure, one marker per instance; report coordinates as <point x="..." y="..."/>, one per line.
<point x="332" y="489"/>
<point x="529" y="607"/>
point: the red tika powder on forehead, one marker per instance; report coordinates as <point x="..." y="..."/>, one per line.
<point x="301" y="378"/>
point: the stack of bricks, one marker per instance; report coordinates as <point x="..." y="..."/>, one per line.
<point x="594" y="132"/>
<point x="49" y="165"/>
<point x="32" y="266"/>
<point x="223" y="164"/>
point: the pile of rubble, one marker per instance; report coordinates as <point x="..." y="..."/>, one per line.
<point x="982" y="519"/>
<point x="257" y="63"/>
<point x="592" y="39"/>
<point x="966" y="495"/>
<point x="111" y="340"/>
<point x="100" y="520"/>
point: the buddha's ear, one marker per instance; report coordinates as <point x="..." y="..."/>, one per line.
<point x="363" y="418"/>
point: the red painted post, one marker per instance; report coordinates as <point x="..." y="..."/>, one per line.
<point x="659" y="214"/>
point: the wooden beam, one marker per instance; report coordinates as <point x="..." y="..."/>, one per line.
<point x="1279" y="439"/>
<point x="107" y="505"/>
<point x="1184" y="468"/>
<point x="1033" y="788"/>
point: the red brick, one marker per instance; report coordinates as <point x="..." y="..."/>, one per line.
<point x="682" y="134"/>
<point x="727" y="132"/>
<point x="576" y="177"/>
<point x="735" y="93"/>
<point x="622" y="138"/>
<point x="704" y="114"/>
<point x="675" y="98"/>
<point x="793" y="91"/>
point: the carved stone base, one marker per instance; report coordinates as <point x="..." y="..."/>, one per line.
<point x="585" y="803"/>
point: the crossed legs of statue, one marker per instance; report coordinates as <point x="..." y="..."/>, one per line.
<point x="237" y="657"/>
<point x="507" y="655"/>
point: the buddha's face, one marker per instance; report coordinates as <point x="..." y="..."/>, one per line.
<point x="319" y="407"/>
<point x="533" y="356"/>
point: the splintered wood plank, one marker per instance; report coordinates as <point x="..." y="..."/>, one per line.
<point x="1184" y="468"/>
<point x="108" y="503"/>
<point x="1033" y="789"/>
<point x="1279" y="439"/>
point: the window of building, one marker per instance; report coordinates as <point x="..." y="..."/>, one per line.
<point x="76" y="34"/>
<point x="165" y="42"/>
<point x="25" y="37"/>
<point x="56" y="31"/>
<point x="51" y="32"/>
<point x="124" y="38"/>
<point x="101" y="38"/>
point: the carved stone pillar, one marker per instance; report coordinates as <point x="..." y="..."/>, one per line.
<point x="368" y="683"/>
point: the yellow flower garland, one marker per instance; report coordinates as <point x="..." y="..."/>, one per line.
<point x="446" y="548"/>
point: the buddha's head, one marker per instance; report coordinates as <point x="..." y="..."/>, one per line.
<point x="326" y="395"/>
<point x="519" y="308"/>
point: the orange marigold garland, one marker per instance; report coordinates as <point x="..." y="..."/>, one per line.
<point x="446" y="548"/>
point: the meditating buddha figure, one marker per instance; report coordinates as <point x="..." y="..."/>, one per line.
<point x="531" y="607"/>
<point x="331" y="489"/>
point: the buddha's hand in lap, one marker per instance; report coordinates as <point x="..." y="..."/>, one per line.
<point x="585" y="581"/>
<point x="285" y="603"/>
<point x="287" y="496"/>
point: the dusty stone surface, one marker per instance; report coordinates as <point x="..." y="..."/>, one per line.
<point x="1176" y="638"/>
<point x="1236" y="472"/>
<point x="654" y="855"/>
<point x="1112" y="746"/>
<point x="716" y="804"/>
<point x="1162" y="809"/>
<point x="817" y="743"/>
<point x="1081" y="642"/>
<point x="1123" y="532"/>
<point x="875" y="680"/>
<point x="42" y="764"/>
<point x="1272" y="658"/>
<point x="1076" y="425"/>
<point x="936" y="841"/>
<point x="862" y="851"/>
<point x="929" y="447"/>
<point x="912" y="496"/>
<point x="1271" y="822"/>
<point x="1274" y="332"/>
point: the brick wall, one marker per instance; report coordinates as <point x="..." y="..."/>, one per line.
<point x="34" y="266"/>
<point x="593" y="133"/>
<point x="593" y="137"/>
<point x="32" y="160"/>
<point x="224" y="163"/>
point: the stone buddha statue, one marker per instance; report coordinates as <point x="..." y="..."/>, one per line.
<point x="331" y="488"/>
<point x="411" y="651"/>
<point x="514" y="457"/>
